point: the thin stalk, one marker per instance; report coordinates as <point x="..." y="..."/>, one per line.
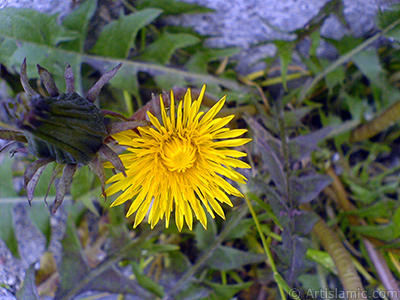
<point x="265" y="244"/>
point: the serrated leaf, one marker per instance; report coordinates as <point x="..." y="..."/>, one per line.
<point x="28" y="289"/>
<point x="302" y="146"/>
<point x="292" y="253"/>
<point x="270" y="152"/>
<point x="117" y="37"/>
<point x="174" y="7"/>
<point x="307" y="187"/>
<point x="7" y="232"/>
<point x="228" y="258"/>
<point x="165" y="46"/>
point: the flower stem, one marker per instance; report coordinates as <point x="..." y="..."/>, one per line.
<point x="265" y="245"/>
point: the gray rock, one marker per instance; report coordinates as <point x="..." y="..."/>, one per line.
<point x="31" y="242"/>
<point x="45" y="6"/>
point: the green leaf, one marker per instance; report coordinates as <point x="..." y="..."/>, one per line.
<point x="386" y="232"/>
<point x="199" y="61"/>
<point x="78" y="21"/>
<point x="32" y="26"/>
<point x="334" y="78"/>
<point x="285" y="51"/>
<point x="173" y="7"/>
<point x="6" y="180"/>
<point x="228" y="258"/>
<point x="165" y="46"/>
<point x="28" y="289"/>
<point x="226" y="291"/>
<point x="377" y="210"/>
<point x="40" y="216"/>
<point x="369" y="64"/>
<point x="323" y="258"/>
<point x="36" y="36"/>
<point x="117" y="37"/>
<point x="7" y="232"/>
<point x="74" y="266"/>
<point x="387" y="17"/>
<point x="204" y="237"/>
<point x="146" y="282"/>
<point x="82" y="188"/>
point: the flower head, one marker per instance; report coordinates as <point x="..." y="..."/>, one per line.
<point x="178" y="163"/>
<point x="63" y="127"/>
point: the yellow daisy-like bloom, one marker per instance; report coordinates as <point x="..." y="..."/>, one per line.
<point x="179" y="162"/>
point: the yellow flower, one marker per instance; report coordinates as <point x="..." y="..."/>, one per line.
<point x="179" y="162"/>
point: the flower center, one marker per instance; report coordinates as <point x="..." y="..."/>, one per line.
<point x="178" y="155"/>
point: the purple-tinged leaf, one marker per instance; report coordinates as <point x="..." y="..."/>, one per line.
<point x="306" y="188"/>
<point x="48" y="82"/>
<point x="94" y="92"/>
<point x="57" y="170"/>
<point x="97" y="168"/>
<point x="25" y="81"/>
<point x="270" y="151"/>
<point x="31" y="186"/>
<point x="114" y="114"/>
<point x="122" y="126"/>
<point x="292" y="254"/>
<point x="63" y="185"/>
<point x="69" y="79"/>
<point x="32" y="168"/>
<point x="113" y="158"/>
<point x="12" y="135"/>
<point x="301" y="147"/>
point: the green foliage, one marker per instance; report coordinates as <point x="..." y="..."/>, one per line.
<point x="7" y="232"/>
<point x="165" y="46"/>
<point x="118" y="37"/>
<point x="6" y="179"/>
<point x="293" y="143"/>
